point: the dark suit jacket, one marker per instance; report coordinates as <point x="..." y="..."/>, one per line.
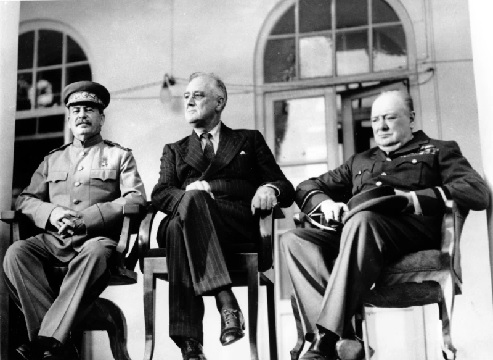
<point x="242" y="163"/>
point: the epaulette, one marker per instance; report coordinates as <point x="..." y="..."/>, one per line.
<point x="59" y="148"/>
<point x="111" y="143"/>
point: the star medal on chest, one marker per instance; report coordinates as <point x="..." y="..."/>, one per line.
<point x="104" y="162"/>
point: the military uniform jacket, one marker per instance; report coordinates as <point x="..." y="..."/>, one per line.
<point x="95" y="178"/>
<point x="423" y="165"/>
<point x="242" y="163"/>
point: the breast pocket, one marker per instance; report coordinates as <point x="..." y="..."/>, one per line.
<point x="417" y="171"/>
<point x="57" y="183"/>
<point x="103" y="177"/>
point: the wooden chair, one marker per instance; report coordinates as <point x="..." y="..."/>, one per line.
<point x="417" y="279"/>
<point x="104" y="315"/>
<point x="246" y="269"/>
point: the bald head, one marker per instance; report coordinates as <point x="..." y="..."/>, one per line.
<point x="392" y="120"/>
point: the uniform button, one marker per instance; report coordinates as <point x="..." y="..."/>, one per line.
<point x="76" y="201"/>
<point x="77" y="183"/>
<point x="384" y="173"/>
<point x="378" y="183"/>
<point x="81" y="168"/>
<point x="388" y="159"/>
<point x="82" y="153"/>
<point x="414" y="161"/>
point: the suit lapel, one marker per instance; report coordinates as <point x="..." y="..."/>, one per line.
<point x="230" y="142"/>
<point x="192" y="153"/>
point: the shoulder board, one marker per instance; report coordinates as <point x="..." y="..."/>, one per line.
<point x="111" y="143"/>
<point x="59" y="148"/>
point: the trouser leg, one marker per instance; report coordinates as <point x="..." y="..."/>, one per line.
<point x="86" y="278"/>
<point x="309" y="255"/>
<point x="186" y="309"/>
<point x="369" y="241"/>
<point x="24" y="269"/>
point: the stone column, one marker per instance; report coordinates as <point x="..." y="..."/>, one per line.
<point x="482" y="49"/>
<point x="9" y="32"/>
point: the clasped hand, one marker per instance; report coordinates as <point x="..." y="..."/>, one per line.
<point x="68" y="222"/>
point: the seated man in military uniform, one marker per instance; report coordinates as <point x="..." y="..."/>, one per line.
<point x="332" y="271"/>
<point x="76" y="197"/>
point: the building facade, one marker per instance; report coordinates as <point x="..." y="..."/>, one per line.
<point x="303" y="72"/>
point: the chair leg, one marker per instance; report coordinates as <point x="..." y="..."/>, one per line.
<point x="271" y="318"/>
<point x="253" y="284"/>
<point x="149" y="310"/>
<point x="300" y="342"/>
<point x="364" y="331"/>
<point x="106" y="315"/>
<point x="446" y="307"/>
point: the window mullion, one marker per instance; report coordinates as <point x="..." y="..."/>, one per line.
<point x="334" y="38"/>
<point x="297" y="63"/>
<point x="370" y="33"/>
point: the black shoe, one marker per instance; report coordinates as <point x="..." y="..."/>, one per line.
<point x="232" y="326"/>
<point x="191" y="349"/>
<point x="322" y="347"/>
<point x="52" y="349"/>
<point x="27" y="352"/>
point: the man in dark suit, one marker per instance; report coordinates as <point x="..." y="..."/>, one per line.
<point x="75" y="198"/>
<point x="211" y="185"/>
<point x="331" y="273"/>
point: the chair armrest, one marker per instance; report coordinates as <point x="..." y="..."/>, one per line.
<point x="131" y="214"/>
<point x="266" y="245"/>
<point x="8" y="216"/>
<point x="11" y="218"/>
<point x="144" y="238"/>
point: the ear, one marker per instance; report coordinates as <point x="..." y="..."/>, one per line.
<point x="220" y="104"/>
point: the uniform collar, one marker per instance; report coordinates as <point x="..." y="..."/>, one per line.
<point x="96" y="139"/>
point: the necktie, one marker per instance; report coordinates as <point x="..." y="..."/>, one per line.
<point x="209" y="148"/>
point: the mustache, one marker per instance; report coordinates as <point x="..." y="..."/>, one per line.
<point x="82" y="121"/>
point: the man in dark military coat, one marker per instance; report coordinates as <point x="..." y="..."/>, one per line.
<point x="211" y="184"/>
<point x="424" y="170"/>
<point x="76" y="197"/>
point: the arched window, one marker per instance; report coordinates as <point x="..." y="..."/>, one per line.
<point x="329" y="38"/>
<point x="48" y="59"/>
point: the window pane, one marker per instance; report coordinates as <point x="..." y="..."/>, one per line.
<point x="351" y="13"/>
<point x="24" y="83"/>
<point x="25" y="127"/>
<point x="51" y="124"/>
<point x="299" y="130"/>
<point x="316" y="56"/>
<point x="78" y="73"/>
<point x="26" y="50"/>
<point x="49" y="48"/>
<point x="48" y="88"/>
<point x="389" y="48"/>
<point x="280" y="60"/>
<point x="285" y="25"/>
<point x="74" y="51"/>
<point x="382" y="12"/>
<point x="26" y="160"/>
<point x="352" y="52"/>
<point x="315" y="15"/>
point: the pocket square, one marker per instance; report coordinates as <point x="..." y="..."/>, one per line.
<point x="242" y="152"/>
